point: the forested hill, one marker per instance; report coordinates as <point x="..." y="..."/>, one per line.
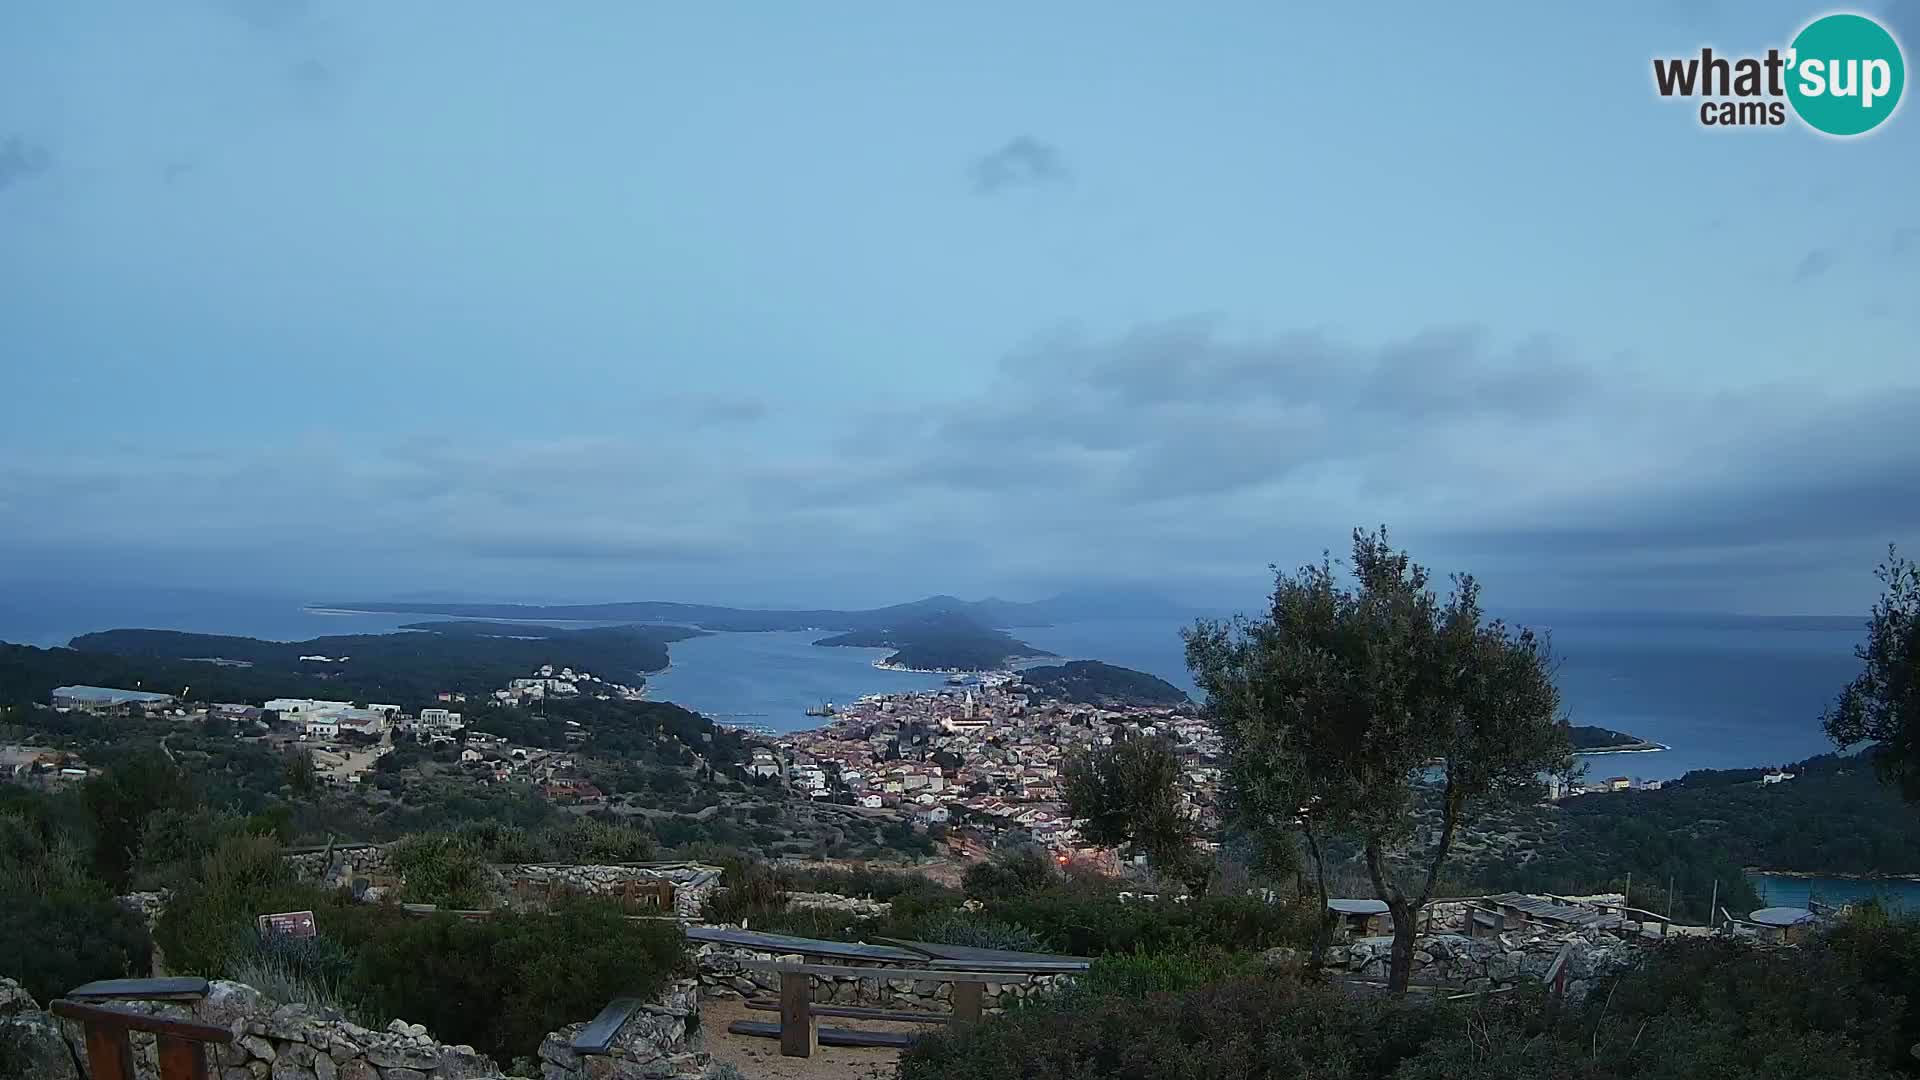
<point x="1094" y="683"/>
<point x="404" y="669"/>
<point x="1066" y="607"/>
<point x="946" y="641"/>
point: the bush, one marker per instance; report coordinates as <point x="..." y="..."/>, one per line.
<point x="584" y="840"/>
<point x="976" y="932"/>
<point x="206" y="924"/>
<point x="51" y="944"/>
<point x="306" y="971"/>
<point x="1093" y="925"/>
<point x="1011" y="874"/>
<point x="442" y="869"/>
<point x="500" y="984"/>
<point x="1136" y="974"/>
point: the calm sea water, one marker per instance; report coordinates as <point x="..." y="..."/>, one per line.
<point x="1778" y="891"/>
<point x="1720" y="692"/>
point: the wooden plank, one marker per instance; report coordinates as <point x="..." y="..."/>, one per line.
<point x="182" y="1059"/>
<point x="109" y="1052"/>
<point x="991" y="959"/>
<point x="968" y="1001"/>
<point x="141" y="989"/>
<point x="598" y="1035"/>
<point x="798" y="1035"/>
<point x="859" y="1012"/>
<point x="1012" y="967"/>
<point x="787" y="943"/>
<point x="119" y="1019"/>
<point x="930" y="974"/>
<point x="891" y="1040"/>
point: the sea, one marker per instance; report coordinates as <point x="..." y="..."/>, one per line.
<point x="1717" y="691"/>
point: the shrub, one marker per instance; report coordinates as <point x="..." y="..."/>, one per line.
<point x="1135" y="974"/>
<point x="206" y="923"/>
<point x="306" y="971"/>
<point x="500" y="984"/>
<point x="1010" y="874"/>
<point x="500" y="843"/>
<point x="440" y="868"/>
<point x="1092" y="925"/>
<point x="51" y="944"/>
<point x="977" y="932"/>
<point x="584" y="840"/>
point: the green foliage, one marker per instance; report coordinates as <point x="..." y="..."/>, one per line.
<point x="1138" y="973"/>
<point x="207" y="923"/>
<point x="977" y="932"/>
<point x="584" y="840"/>
<point x="1129" y="793"/>
<point x="1335" y="708"/>
<point x="306" y="971"/>
<point x="1095" y="683"/>
<point x="1882" y="704"/>
<point x="51" y="944"/>
<point x="1091" y="924"/>
<point x="1019" y="871"/>
<point x="119" y="801"/>
<point x="1694" y="1008"/>
<point x="501" y="984"/>
<point x="442" y="869"/>
<point x="940" y="641"/>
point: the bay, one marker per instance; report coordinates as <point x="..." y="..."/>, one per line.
<point x="1782" y="890"/>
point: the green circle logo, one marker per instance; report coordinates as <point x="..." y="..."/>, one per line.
<point x="1845" y="74"/>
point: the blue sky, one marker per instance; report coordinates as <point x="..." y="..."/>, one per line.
<point x="846" y="303"/>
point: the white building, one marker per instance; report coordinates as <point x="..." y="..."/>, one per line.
<point x="435" y="720"/>
<point x="322" y="727"/>
<point x="303" y="707"/>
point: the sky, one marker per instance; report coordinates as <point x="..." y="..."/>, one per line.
<point x="847" y="303"/>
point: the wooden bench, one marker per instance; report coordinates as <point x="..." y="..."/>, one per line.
<point x="799" y="1036"/>
<point x="182" y="1043"/>
<point x="597" y="1036"/>
<point x="141" y="990"/>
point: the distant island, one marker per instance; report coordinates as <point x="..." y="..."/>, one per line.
<point x="406" y="668"/>
<point x="1599" y="740"/>
<point x="991" y="612"/>
<point x="1094" y="683"/>
<point x="942" y="641"/>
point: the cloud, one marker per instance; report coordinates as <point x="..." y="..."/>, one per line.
<point x="1023" y="162"/>
<point x="21" y="161"/>
<point x="1813" y="264"/>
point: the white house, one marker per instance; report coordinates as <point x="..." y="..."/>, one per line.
<point x="871" y="802"/>
<point x="1776" y="777"/>
<point x="322" y="728"/>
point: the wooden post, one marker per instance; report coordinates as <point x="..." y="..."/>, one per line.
<point x="799" y="1035"/>
<point x="182" y="1057"/>
<point x="110" y="1053"/>
<point x="968" y="1001"/>
<point x="1713" y="905"/>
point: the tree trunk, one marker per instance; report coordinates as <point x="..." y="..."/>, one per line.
<point x="1400" y="971"/>
<point x="1323" y="935"/>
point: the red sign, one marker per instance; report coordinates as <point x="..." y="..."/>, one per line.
<point x="297" y="924"/>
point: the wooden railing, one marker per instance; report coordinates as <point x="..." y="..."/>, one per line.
<point x="182" y="1043"/>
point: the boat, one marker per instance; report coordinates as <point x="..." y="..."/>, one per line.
<point x="825" y="708"/>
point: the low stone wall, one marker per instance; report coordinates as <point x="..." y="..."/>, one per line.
<point x="293" y="1042"/>
<point x="852" y="905"/>
<point x="692" y="882"/>
<point x="1492" y="962"/>
<point x="347" y="861"/>
<point x="661" y="1040"/>
<point x="722" y="976"/>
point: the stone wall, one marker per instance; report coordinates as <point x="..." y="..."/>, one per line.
<point x="661" y="1040"/>
<point x="1494" y="961"/>
<point x="722" y="976"/>
<point x="853" y="905"/>
<point x="692" y="882"/>
<point x="294" y="1042"/>
<point x="346" y="861"/>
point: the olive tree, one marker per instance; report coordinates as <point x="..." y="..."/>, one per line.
<point x="1882" y="704"/>
<point x="1128" y="794"/>
<point x="1361" y="693"/>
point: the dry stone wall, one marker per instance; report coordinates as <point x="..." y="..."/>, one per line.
<point x="662" y="1040"/>
<point x="723" y="976"/>
<point x="1493" y="962"/>
<point x="692" y="883"/>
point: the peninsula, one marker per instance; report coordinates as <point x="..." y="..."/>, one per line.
<point x="943" y="641"/>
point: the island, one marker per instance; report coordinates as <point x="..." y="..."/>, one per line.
<point x="941" y="642"/>
<point x="405" y="668"/>
<point x="1091" y="682"/>
<point x="1599" y="740"/>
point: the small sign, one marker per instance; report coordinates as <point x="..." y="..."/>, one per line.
<point x="294" y="924"/>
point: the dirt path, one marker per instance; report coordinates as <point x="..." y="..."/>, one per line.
<point x="759" y="1059"/>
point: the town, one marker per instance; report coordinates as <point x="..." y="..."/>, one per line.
<point x="985" y="753"/>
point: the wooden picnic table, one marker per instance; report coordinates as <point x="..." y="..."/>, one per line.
<point x="800" y="1037"/>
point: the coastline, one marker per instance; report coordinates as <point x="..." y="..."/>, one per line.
<point x="884" y="666"/>
<point x="1625" y="748"/>
<point x="1815" y="874"/>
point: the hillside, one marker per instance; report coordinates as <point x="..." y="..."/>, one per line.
<point x="1589" y="739"/>
<point x="1091" y="682"/>
<point x="403" y="668"/>
<point x="1066" y="607"/>
<point x="943" y="641"/>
